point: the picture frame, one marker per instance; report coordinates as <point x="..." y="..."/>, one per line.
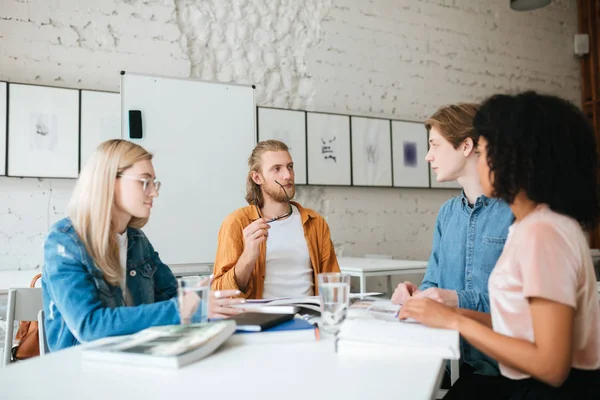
<point x="409" y="148"/>
<point x="100" y="121"/>
<point x="328" y="149"/>
<point x="371" y="152"/>
<point x="3" y="130"/>
<point x="43" y="131"/>
<point x="289" y="127"/>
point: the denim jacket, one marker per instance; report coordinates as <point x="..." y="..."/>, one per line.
<point x="467" y="242"/>
<point x="80" y="306"/>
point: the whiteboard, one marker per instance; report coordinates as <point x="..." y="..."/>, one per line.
<point x="201" y="135"/>
<point x="100" y="121"/>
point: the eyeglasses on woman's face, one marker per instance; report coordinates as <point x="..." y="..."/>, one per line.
<point x="147" y="183"/>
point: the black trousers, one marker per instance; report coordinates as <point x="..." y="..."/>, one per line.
<point x="580" y="384"/>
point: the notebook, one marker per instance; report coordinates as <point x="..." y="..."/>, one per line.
<point x="395" y="338"/>
<point x="256" y="322"/>
<point x="296" y="330"/>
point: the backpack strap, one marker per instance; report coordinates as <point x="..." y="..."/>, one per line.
<point x="34" y="280"/>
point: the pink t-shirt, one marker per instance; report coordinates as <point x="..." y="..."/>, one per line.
<point x="546" y="255"/>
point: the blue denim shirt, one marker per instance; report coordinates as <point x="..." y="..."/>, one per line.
<point x="467" y="242"/>
<point x="80" y="306"/>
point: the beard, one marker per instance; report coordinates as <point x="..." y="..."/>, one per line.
<point x="275" y="192"/>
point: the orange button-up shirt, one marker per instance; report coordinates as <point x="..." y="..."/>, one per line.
<point x="231" y="246"/>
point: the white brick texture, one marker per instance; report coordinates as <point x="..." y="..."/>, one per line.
<point x="385" y="58"/>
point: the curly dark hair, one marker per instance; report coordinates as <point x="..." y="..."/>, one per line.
<point x="545" y="146"/>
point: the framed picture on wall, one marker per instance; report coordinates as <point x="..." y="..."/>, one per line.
<point x="3" y="100"/>
<point x="43" y="131"/>
<point x="289" y="127"/>
<point x="371" y="152"/>
<point x="100" y="120"/>
<point x="328" y="148"/>
<point x="409" y="144"/>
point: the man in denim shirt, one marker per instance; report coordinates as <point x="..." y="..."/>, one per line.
<point x="470" y="230"/>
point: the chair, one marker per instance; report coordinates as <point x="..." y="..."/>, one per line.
<point x="24" y="304"/>
<point x="388" y="281"/>
<point x="454" y="374"/>
<point x="42" y="334"/>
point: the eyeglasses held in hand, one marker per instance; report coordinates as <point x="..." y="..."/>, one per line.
<point x="147" y="183"/>
<point x="287" y="214"/>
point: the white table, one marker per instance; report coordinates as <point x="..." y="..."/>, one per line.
<point x="279" y="371"/>
<point x="365" y="267"/>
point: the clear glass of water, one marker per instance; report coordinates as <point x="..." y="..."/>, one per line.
<point x="193" y="294"/>
<point x="334" y="291"/>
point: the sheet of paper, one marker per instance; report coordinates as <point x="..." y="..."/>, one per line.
<point x="399" y="334"/>
<point x="366" y="294"/>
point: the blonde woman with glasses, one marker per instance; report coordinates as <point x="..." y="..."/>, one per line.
<point x="101" y="275"/>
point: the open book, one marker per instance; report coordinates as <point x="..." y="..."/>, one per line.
<point x="394" y="338"/>
<point x="171" y="346"/>
<point x="290" y="305"/>
<point x="283" y="305"/>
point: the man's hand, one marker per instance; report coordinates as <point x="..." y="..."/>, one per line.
<point x="254" y="234"/>
<point x="403" y="292"/>
<point x="447" y="297"/>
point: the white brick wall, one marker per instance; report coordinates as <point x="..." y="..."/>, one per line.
<point x="390" y="58"/>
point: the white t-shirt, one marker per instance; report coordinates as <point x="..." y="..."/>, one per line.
<point x="289" y="272"/>
<point x="122" y="239"/>
<point x="547" y="256"/>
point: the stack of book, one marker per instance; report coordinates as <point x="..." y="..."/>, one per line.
<point x="171" y="346"/>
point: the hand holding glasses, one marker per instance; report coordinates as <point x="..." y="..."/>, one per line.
<point x="258" y="231"/>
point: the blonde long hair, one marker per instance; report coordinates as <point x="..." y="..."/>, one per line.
<point x="91" y="206"/>
<point x="253" y="191"/>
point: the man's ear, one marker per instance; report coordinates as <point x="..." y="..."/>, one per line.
<point x="468" y="147"/>
<point x="256" y="177"/>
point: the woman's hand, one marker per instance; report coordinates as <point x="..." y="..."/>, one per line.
<point x="430" y="313"/>
<point x="220" y="303"/>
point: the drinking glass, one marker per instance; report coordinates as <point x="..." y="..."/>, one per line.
<point x="334" y="292"/>
<point x="193" y="293"/>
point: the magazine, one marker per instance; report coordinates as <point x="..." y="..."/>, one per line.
<point x="171" y="346"/>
